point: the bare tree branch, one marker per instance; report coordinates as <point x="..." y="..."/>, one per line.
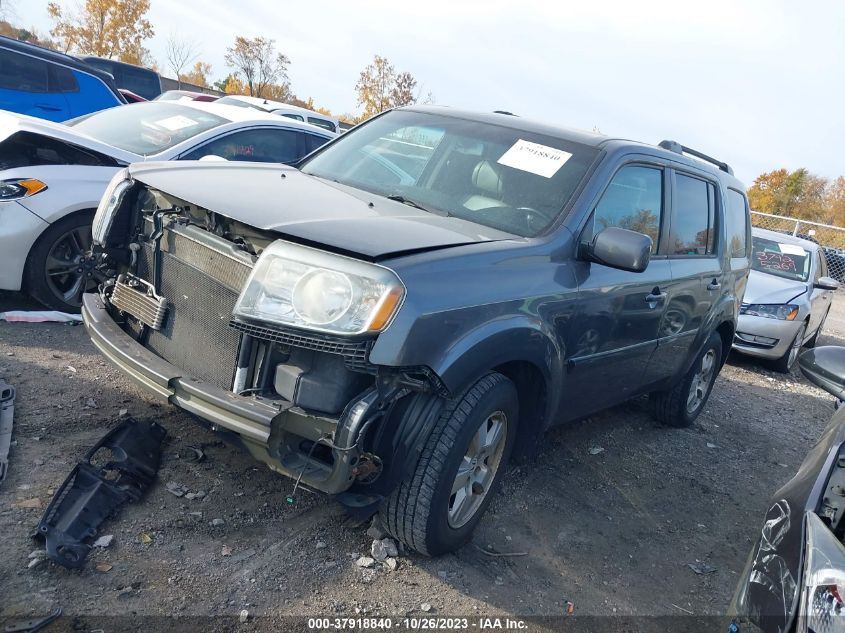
<point x="179" y="53"/>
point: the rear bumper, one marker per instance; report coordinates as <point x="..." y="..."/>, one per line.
<point x="272" y="432"/>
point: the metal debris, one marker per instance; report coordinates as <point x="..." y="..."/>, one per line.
<point x="7" y="412"/>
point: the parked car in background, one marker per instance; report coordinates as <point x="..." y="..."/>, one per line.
<point x="130" y="96"/>
<point x="420" y="298"/>
<point x="52" y="177"/>
<point x="794" y="579"/>
<point x="188" y="95"/>
<point x="330" y="123"/>
<point x="140" y="80"/>
<point x="42" y="83"/>
<point x="787" y="300"/>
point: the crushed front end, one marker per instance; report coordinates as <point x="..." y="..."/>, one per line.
<point x="183" y="314"/>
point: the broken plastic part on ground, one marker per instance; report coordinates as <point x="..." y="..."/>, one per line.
<point x="92" y="493"/>
<point x="39" y="316"/>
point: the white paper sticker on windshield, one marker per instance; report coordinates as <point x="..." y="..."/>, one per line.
<point x="176" y="123"/>
<point x="791" y="249"/>
<point x="534" y="158"/>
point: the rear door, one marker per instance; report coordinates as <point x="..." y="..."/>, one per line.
<point x="696" y="270"/>
<point x="25" y="87"/>
<point x="615" y="328"/>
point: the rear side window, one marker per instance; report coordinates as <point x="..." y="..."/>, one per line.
<point x="312" y="142"/>
<point x="22" y="72"/>
<point x="693" y="214"/>
<point x="323" y="123"/>
<point x="295" y="117"/>
<point x="259" y="146"/>
<point x="633" y="201"/>
<point x="736" y="220"/>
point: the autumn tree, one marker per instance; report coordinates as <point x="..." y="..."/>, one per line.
<point x="797" y="194"/>
<point x="835" y="201"/>
<point x="262" y="69"/>
<point x="198" y="75"/>
<point x="179" y="53"/>
<point x="380" y="87"/>
<point x="106" y="28"/>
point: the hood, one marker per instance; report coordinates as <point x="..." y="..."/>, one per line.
<point x="311" y="210"/>
<point x="765" y="288"/>
<point x="11" y="123"/>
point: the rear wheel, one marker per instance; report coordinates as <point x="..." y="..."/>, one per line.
<point x="784" y="363"/>
<point x="682" y="404"/>
<point x="59" y="269"/>
<point x="437" y="506"/>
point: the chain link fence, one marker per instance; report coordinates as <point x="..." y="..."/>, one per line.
<point x="830" y="238"/>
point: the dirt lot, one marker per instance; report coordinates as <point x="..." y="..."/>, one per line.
<point x="612" y="531"/>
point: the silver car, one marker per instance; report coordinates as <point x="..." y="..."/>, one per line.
<point x="787" y="299"/>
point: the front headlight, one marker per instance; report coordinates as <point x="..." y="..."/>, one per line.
<point x="312" y="289"/>
<point x="784" y="312"/>
<point x="823" y="585"/>
<point x="111" y="199"/>
<point x="20" y="188"/>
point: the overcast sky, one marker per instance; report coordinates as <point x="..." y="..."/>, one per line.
<point x="758" y="84"/>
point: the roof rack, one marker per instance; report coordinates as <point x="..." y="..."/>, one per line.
<point x="674" y="146"/>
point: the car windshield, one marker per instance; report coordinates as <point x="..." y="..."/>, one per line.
<point x="146" y="128"/>
<point x="508" y="179"/>
<point x="789" y="261"/>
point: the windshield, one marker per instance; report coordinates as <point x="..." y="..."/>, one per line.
<point x="507" y="179"/>
<point x="789" y="261"/>
<point x="146" y="128"/>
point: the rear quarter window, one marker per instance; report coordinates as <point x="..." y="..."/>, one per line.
<point x="736" y="221"/>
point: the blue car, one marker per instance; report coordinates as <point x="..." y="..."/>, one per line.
<point x="49" y="85"/>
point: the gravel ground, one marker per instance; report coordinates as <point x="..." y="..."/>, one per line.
<point x="612" y="531"/>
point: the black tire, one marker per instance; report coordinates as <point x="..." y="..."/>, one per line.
<point x="673" y="407"/>
<point x="814" y="339"/>
<point x="44" y="288"/>
<point x="785" y="363"/>
<point x="418" y="511"/>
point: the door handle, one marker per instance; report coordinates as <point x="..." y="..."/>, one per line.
<point x="714" y="285"/>
<point x="654" y="297"/>
<point x="45" y="106"/>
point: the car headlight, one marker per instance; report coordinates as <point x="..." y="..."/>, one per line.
<point x="822" y="605"/>
<point x="312" y="289"/>
<point x="20" y="188"/>
<point x="113" y="196"/>
<point x="784" y="312"/>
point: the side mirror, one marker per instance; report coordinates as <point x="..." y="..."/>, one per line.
<point x="825" y="367"/>
<point x="620" y="248"/>
<point x="826" y="283"/>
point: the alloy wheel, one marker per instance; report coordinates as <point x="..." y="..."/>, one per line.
<point x="701" y="381"/>
<point x="478" y="469"/>
<point x="70" y="267"/>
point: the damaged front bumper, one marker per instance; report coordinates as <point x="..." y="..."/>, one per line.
<point x="275" y="432"/>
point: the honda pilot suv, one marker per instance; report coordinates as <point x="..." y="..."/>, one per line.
<point x="417" y="301"/>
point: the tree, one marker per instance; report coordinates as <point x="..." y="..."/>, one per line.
<point x="798" y="194"/>
<point x="257" y="63"/>
<point x="179" y="54"/>
<point x="106" y="28"/>
<point x="198" y="75"/>
<point x="379" y="87"/>
<point x="835" y="202"/>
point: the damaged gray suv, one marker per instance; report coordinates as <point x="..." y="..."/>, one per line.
<point x="394" y="318"/>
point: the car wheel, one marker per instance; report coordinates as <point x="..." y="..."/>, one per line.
<point x="815" y="337"/>
<point x="436" y="507"/>
<point x="784" y="363"/>
<point x="57" y="270"/>
<point x="682" y="404"/>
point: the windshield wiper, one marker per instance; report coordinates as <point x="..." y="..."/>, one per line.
<point x="396" y="197"/>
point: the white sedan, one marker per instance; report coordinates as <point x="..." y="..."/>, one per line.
<point x="52" y="176"/>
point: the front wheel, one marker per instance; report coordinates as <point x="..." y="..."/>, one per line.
<point x="682" y="404"/>
<point x="436" y="507"/>
<point x="784" y="363"/>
